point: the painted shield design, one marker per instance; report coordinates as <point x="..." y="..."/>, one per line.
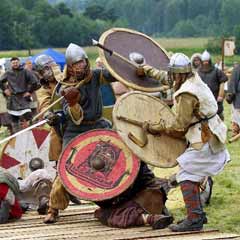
<point x="30" y="145"/>
<point x="97" y="165"/>
<point x="127" y="43"/>
<point x="130" y="111"/>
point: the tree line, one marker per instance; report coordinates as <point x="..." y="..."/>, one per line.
<point x="41" y="23"/>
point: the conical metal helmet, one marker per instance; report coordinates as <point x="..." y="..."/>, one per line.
<point x="43" y="60"/>
<point x="74" y="53"/>
<point x="36" y="163"/>
<point x="179" y="63"/>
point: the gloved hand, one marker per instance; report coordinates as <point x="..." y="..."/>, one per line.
<point x="154" y="128"/>
<point x="72" y="95"/>
<point x="53" y="119"/>
<point x="140" y="71"/>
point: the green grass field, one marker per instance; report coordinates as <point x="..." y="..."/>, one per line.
<point x="224" y="210"/>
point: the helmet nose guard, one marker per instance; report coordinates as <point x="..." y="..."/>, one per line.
<point x="74" y="54"/>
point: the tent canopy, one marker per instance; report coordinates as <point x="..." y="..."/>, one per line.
<point x="57" y="56"/>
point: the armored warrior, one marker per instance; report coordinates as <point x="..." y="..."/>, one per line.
<point x="83" y="109"/>
<point x="195" y="118"/>
<point x="50" y="74"/>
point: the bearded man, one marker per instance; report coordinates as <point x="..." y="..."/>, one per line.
<point x="214" y="78"/>
<point x="82" y="107"/>
<point x="18" y="85"/>
<point x="50" y="75"/>
<point x="195" y="118"/>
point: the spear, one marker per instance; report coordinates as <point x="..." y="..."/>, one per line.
<point x="111" y="52"/>
<point x="24" y="130"/>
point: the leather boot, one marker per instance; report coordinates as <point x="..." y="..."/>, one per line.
<point x="157" y="221"/>
<point x="187" y="225"/>
<point x="195" y="215"/>
<point x="74" y="199"/>
<point x="205" y="220"/>
<point x="52" y="216"/>
<point x="43" y="205"/>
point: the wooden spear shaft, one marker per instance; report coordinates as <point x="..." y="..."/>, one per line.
<point x="49" y="107"/>
<point x="111" y="52"/>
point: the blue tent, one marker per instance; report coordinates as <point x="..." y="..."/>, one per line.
<point x="57" y="56"/>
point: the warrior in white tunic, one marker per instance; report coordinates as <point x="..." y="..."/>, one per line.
<point x="195" y="118"/>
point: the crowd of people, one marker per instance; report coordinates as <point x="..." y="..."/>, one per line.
<point x="197" y="93"/>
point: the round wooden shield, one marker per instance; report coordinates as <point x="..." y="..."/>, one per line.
<point x="97" y="165"/>
<point x="19" y="151"/>
<point x="124" y="42"/>
<point x="130" y="111"/>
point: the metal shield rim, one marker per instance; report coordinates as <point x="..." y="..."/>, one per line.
<point x="96" y="199"/>
<point x="113" y="73"/>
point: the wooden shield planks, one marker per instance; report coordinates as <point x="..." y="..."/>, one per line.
<point x="125" y="41"/>
<point x="160" y="150"/>
<point x="97" y="165"/>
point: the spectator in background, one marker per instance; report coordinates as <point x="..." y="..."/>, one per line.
<point x="196" y="61"/>
<point x="218" y="63"/>
<point x="99" y="63"/>
<point x="28" y="65"/>
<point x="34" y="103"/>
<point x="214" y="78"/>
<point x="18" y="84"/>
<point x="4" y="116"/>
<point x="233" y="97"/>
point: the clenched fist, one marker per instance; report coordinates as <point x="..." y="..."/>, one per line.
<point x="72" y="95"/>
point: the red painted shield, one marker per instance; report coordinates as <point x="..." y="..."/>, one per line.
<point x="97" y="165"/>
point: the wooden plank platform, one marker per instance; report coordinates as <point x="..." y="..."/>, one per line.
<point x="77" y="222"/>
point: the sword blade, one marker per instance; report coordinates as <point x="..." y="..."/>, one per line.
<point x="22" y="131"/>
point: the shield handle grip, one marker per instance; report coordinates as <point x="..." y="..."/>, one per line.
<point x="141" y="143"/>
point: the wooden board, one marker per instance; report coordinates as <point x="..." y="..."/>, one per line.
<point x="130" y="111"/>
<point x="77" y="222"/>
